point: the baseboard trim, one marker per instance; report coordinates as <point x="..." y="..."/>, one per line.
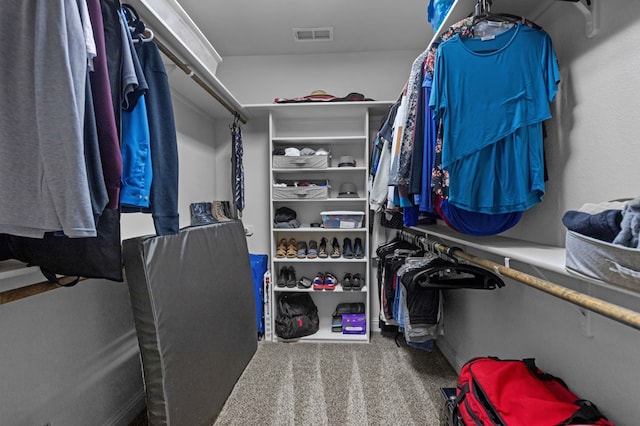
<point x="449" y="352"/>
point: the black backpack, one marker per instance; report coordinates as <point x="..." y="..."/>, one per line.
<point x="297" y="316"/>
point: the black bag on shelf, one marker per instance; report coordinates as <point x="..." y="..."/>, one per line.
<point x="297" y="316"/>
<point x="349" y="308"/>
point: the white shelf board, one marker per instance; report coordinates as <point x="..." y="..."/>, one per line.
<point x="326" y="169"/>
<point x="318" y="260"/>
<point x="323" y="230"/>
<point x="338" y="289"/>
<point x="548" y="257"/>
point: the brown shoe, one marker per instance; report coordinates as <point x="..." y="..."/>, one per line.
<point x="292" y="248"/>
<point x="281" y="251"/>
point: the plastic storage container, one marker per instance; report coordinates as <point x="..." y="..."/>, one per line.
<point x="342" y="219"/>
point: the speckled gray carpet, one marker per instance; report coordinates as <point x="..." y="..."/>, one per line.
<point x="339" y="384"/>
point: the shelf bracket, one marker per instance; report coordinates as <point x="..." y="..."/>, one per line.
<point x="591" y="11"/>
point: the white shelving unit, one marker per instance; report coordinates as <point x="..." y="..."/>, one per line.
<point x="342" y="129"/>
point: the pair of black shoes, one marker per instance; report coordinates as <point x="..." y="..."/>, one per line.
<point x="349" y="251"/>
<point x="287" y="277"/>
<point x="352" y="282"/>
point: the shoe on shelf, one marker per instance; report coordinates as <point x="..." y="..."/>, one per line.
<point x="292" y="249"/>
<point x="358" y="251"/>
<point x="357" y="282"/>
<point x="318" y="281"/>
<point x="335" y="248"/>
<point x="347" y="249"/>
<point x="291" y="277"/>
<point x="218" y="211"/>
<point x="304" y="283"/>
<point x="301" y="252"/>
<point x="322" y="249"/>
<point x="330" y="281"/>
<point x="281" y="251"/>
<point x="346" y="281"/>
<point x="282" y="277"/>
<point x="201" y="214"/>
<point x="312" y="252"/>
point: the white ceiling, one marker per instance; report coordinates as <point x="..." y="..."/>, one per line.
<point x="265" y="27"/>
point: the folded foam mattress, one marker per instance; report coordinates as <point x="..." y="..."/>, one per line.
<point x="194" y="311"/>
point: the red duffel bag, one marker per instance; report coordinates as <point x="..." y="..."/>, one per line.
<point x="492" y="391"/>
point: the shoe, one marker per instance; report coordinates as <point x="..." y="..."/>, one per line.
<point x="281" y="251"/>
<point x="347" y="250"/>
<point x="292" y="248"/>
<point x="312" y="253"/>
<point x="226" y="208"/>
<point x="357" y="282"/>
<point x="218" y="211"/>
<point x="304" y="283"/>
<point x="335" y="248"/>
<point x="291" y="277"/>
<point x="318" y="281"/>
<point x="282" y="277"/>
<point x="301" y="251"/>
<point x="330" y="281"/>
<point x="322" y="250"/>
<point x="346" y="281"/>
<point x="201" y="214"/>
<point x="358" y="251"/>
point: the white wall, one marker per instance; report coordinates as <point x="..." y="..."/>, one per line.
<point x="261" y="79"/>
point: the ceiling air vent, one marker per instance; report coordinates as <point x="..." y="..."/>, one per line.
<point x="313" y="34"/>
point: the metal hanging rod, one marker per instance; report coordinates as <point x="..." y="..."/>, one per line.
<point x="187" y="70"/>
<point x="609" y="310"/>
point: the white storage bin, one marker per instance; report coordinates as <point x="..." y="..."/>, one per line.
<point x="612" y="263"/>
<point x="296" y="190"/>
<point x="300" y="162"/>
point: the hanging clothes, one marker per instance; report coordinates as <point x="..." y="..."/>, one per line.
<point x="491" y="120"/>
<point x="43" y="179"/>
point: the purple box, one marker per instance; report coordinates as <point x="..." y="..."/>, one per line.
<point x="354" y="324"/>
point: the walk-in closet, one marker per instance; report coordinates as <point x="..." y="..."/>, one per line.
<point x="297" y="213"/>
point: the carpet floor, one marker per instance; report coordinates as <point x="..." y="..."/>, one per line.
<point x="304" y="383"/>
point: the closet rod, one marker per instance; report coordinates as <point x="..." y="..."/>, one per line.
<point x="184" y="67"/>
<point x="15" y="294"/>
<point x="609" y="310"/>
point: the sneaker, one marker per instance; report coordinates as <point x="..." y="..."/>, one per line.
<point x="358" y="251"/>
<point x="346" y="281"/>
<point x="318" y="281"/>
<point x="322" y="250"/>
<point x="312" y="253"/>
<point x="301" y="252"/>
<point x="347" y="250"/>
<point x="335" y="248"/>
<point x="357" y="282"/>
<point x="330" y="281"/>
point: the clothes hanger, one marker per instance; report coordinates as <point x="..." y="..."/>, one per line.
<point x="441" y="274"/>
<point x="139" y="32"/>
<point x="482" y="13"/>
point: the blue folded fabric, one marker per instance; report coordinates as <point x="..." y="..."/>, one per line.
<point x="475" y="223"/>
<point x="603" y="226"/>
